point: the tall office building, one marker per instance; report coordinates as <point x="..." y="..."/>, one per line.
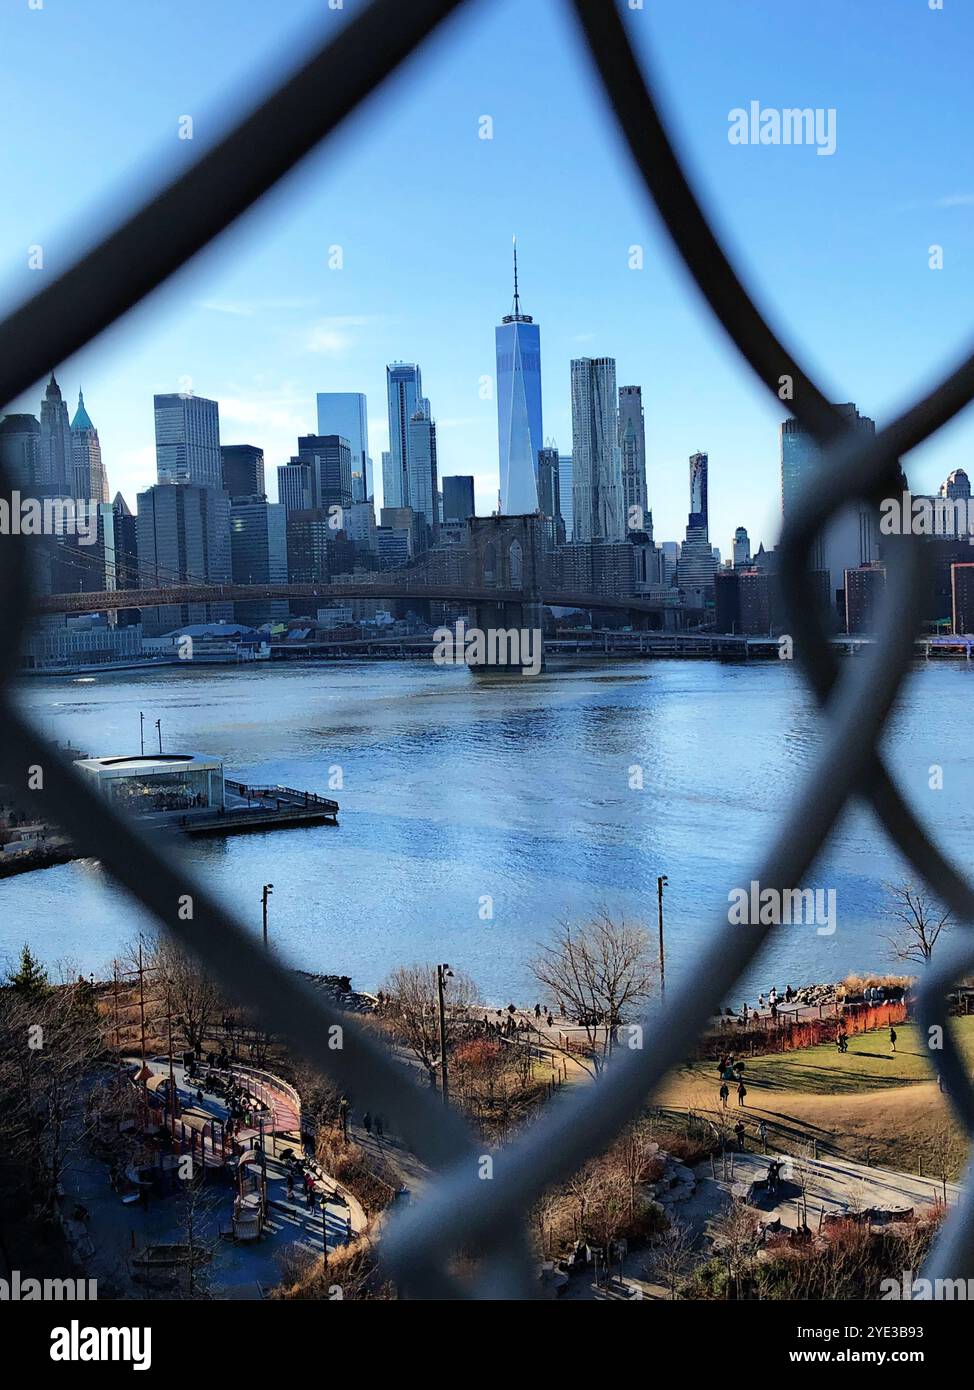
<point x="517" y="341"/>
<point x="697" y="563"/>
<point x="20" y="437"/>
<point x="423" y="486"/>
<point x="90" y="478"/>
<point x="596" y="458"/>
<point x="458" y="498"/>
<point x="258" y="555"/>
<point x="318" y="476"/>
<point x="183" y="535"/>
<point x="242" y="467"/>
<point x="851" y="539"/>
<point x="55" y="464"/>
<point x="126" y="556"/>
<point x="404" y="391"/>
<point x="549" y="495"/>
<point x="295" y="486"/>
<point x="632" y="445"/>
<point x="565" y="473"/>
<point x="742" y="548"/>
<point x="344" y="413"/>
<point x="188" y="440"/>
<point x="699" y="513"/>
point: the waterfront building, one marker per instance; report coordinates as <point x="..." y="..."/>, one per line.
<point x="66" y="642"/>
<point x="962" y="595"/>
<point x="188" y="440"/>
<point x="517" y="344"/>
<point x="154" y="782"/>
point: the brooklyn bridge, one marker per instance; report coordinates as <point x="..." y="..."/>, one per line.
<point x="500" y="577"/>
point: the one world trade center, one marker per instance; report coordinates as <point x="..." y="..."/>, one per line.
<point x="518" y="342"/>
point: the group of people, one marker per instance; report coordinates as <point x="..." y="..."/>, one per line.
<point x="770" y="1002"/>
<point x="371" y="1123"/>
<point x="729" y="1070"/>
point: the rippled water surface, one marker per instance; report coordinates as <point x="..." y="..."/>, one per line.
<point x="457" y="789"/>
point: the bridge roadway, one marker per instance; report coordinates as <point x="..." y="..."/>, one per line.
<point x="109" y="600"/>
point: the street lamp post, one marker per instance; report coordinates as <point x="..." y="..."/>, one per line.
<point x="141" y="733"/>
<point x="442" y="972"/>
<point x="159" y="732"/>
<point x="660" y="882"/>
<point x="267" y="891"/>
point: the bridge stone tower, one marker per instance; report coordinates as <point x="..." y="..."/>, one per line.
<point x="507" y="553"/>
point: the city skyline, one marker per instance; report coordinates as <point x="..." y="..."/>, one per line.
<point x="263" y="323"/>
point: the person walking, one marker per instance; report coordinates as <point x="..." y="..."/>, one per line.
<point x="724" y="1095"/>
<point x="367" y="1122"/>
<point x="343" y="1109"/>
<point x="892" y="1038"/>
<point x="763" y="1135"/>
<point x="740" y="1131"/>
<point x="741" y="1092"/>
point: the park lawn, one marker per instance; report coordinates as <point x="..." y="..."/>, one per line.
<point x="867" y="1066"/>
<point x="866" y="1104"/>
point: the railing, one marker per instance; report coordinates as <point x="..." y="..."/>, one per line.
<point x="461" y="1209"/>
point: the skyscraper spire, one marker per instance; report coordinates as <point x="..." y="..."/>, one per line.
<point x="518" y="349"/>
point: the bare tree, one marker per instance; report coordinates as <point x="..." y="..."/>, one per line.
<point x="196" y="999"/>
<point x="921" y="921"/>
<point x="601" y="970"/>
<point x="49" y="1040"/>
<point x="413" y="1009"/>
<point x="672" y="1256"/>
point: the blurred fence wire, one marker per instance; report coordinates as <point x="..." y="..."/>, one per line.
<point x="464" y="1209"/>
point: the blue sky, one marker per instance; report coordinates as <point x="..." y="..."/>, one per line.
<point x="836" y="247"/>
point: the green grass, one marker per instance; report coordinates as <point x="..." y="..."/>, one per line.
<point x="867" y="1066"/>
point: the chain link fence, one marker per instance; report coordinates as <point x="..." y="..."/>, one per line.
<point x="479" y="1203"/>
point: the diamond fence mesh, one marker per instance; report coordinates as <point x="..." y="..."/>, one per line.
<point x="462" y="1208"/>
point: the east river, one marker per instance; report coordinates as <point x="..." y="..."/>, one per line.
<point x="457" y="790"/>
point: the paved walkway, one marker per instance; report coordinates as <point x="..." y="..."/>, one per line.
<point x="833" y="1184"/>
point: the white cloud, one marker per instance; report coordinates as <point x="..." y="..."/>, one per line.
<point x="328" y="336"/>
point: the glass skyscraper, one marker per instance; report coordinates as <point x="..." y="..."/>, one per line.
<point x="344" y="413"/>
<point x="188" y="440"/>
<point x="458" y="498"/>
<point x="565" y="480"/>
<point x="851" y="538"/>
<point x="517" y="340"/>
<point x="404" y="392"/>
